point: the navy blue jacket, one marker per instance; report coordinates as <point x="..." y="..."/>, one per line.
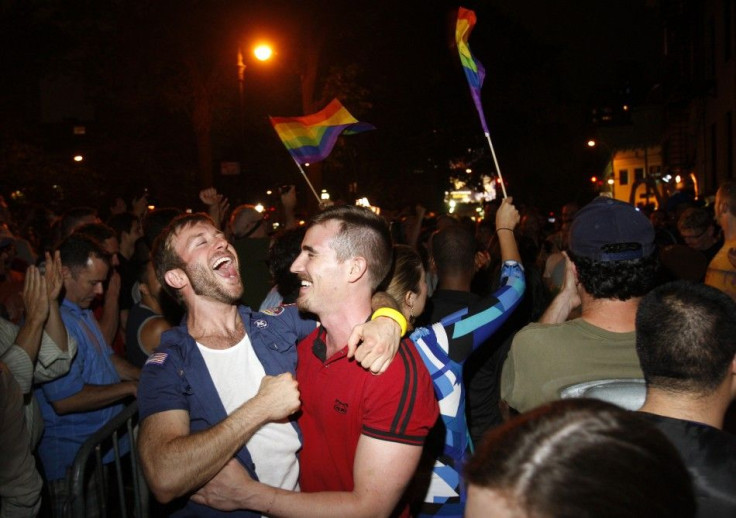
<point x="175" y="377"/>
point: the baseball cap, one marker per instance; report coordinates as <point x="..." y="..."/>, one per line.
<point x="611" y="230"/>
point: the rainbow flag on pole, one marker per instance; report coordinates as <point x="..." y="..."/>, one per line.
<point x="474" y="71"/>
<point x="311" y="138"/>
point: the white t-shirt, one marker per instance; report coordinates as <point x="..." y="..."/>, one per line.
<point x="237" y="374"/>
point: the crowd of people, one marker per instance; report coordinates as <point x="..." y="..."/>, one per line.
<point x="358" y="365"/>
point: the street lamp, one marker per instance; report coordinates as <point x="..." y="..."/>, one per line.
<point x="612" y="153"/>
<point x="262" y="52"/>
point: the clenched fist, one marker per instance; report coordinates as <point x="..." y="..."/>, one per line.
<point x="279" y="395"/>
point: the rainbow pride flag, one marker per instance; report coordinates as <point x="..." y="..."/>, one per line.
<point x="474" y="71"/>
<point x="311" y="138"/>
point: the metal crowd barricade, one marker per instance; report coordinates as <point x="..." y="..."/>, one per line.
<point x="97" y="444"/>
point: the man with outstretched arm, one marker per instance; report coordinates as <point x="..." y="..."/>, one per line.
<point x="363" y="434"/>
<point x="220" y="386"/>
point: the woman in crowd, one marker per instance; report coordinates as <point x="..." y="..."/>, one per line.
<point x="444" y="347"/>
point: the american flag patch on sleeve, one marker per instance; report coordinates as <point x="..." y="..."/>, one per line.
<point x="157" y="358"/>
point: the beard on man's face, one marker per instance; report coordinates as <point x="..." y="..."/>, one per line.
<point x="204" y="284"/>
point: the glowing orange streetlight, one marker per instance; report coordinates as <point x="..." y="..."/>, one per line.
<point x="263" y="52"/>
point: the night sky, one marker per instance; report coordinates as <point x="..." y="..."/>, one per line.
<point x="120" y="68"/>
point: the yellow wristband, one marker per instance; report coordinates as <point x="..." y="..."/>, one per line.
<point x="394" y="315"/>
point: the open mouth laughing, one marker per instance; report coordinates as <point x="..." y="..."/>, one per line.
<point x="225" y="267"/>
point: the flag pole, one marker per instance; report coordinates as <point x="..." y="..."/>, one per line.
<point x="495" y="161"/>
<point x="304" y="174"/>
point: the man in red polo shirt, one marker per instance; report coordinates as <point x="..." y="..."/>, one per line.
<point x="363" y="434"/>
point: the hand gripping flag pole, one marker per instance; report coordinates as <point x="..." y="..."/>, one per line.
<point x="475" y="73"/>
<point x="311" y="138"/>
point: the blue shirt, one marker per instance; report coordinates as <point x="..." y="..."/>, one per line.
<point x="444" y="347"/>
<point x="175" y="377"/>
<point x="92" y="365"/>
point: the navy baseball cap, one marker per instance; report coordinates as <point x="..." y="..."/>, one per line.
<point x="611" y="230"/>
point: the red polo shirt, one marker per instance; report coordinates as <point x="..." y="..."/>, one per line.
<point x="341" y="400"/>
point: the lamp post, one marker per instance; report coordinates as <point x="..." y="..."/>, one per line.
<point x="262" y="52"/>
<point x="612" y="153"/>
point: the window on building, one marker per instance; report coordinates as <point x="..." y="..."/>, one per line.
<point x="623" y="177"/>
<point x="638" y="174"/>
